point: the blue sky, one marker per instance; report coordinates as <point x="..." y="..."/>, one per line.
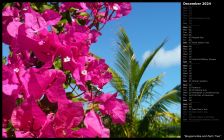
<point x="147" y="26"/>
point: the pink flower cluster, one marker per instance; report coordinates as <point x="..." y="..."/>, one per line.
<point x="50" y="49"/>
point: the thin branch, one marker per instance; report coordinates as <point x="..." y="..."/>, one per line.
<point x="107" y="19"/>
<point x="79" y="94"/>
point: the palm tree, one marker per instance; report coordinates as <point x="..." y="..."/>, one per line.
<point x="126" y="80"/>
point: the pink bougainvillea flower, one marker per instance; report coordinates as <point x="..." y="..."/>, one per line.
<point x="11" y="89"/>
<point x="21" y="58"/>
<point x="101" y="17"/>
<point x="69" y="63"/>
<point x="9" y="11"/>
<point x="22" y="40"/>
<point x="80" y="6"/>
<point x="80" y="74"/>
<point x="74" y="49"/>
<point x="31" y="33"/>
<point x="75" y="35"/>
<point x="9" y="14"/>
<point x="44" y="45"/>
<point x="4" y="133"/>
<point x="47" y="48"/>
<point x="12" y="28"/>
<point x="22" y="134"/>
<point x="93" y="70"/>
<point x="51" y="17"/>
<point x="39" y="82"/>
<point x="26" y="8"/>
<point x="121" y="8"/>
<point x="10" y="80"/>
<point x="10" y="76"/>
<point x="73" y="59"/>
<point x="90" y="58"/>
<point x="68" y="116"/>
<point x="28" y="117"/>
<point x="8" y="104"/>
<point x="84" y="133"/>
<point x="112" y="106"/>
<point x="94" y="123"/>
<point x="34" y="23"/>
<point x="11" y="86"/>
<point x="94" y="127"/>
<point x="47" y="131"/>
<point x="94" y="5"/>
<point x="94" y="34"/>
<point x="98" y="71"/>
<point x="88" y="96"/>
<point x="34" y="98"/>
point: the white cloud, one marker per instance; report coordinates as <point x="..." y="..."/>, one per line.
<point x="165" y="58"/>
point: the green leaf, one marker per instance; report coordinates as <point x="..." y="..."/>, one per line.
<point x="65" y="86"/>
<point x="73" y="81"/>
<point x="118" y="83"/>
<point x="62" y="22"/>
<point x="75" y="128"/>
<point x="5" y="4"/>
<point x="147" y="86"/>
<point x="46" y="7"/>
<point x="33" y="6"/>
<point x="57" y="64"/>
<point x="160" y="106"/>
<point x="72" y="9"/>
<point x="81" y="22"/>
<point x="84" y="14"/>
<point x="19" y="101"/>
<point x="66" y="72"/>
<point x="4" y="60"/>
<point x="9" y="126"/>
<point x="148" y="60"/>
<point x="10" y="53"/>
<point x="78" y="100"/>
<point x="69" y="95"/>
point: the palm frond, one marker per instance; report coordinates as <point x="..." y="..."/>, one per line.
<point x="128" y="66"/>
<point x="175" y="118"/>
<point x="173" y="96"/>
<point x="148" y="60"/>
<point x="125" y="57"/>
<point x="147" y="87"/>
<point x="118" y="83"/>
<point x="126" y="81"/>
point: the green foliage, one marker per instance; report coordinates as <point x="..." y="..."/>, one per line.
<point x="118" y="84"/>
<point x="160" y="106"/>
<point x="80" y="21"/>
<point x="78" y="100"/>
<point x="46" y="7"/>
<point x="4" y="60"/>
<point x="84" y="14"/>
<point x="10" y="130"/>
<point x="4" y="4"/>
<point x="57" y="64"/>
<point x="19" y="101"/>
<point x="155" y="120"/>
